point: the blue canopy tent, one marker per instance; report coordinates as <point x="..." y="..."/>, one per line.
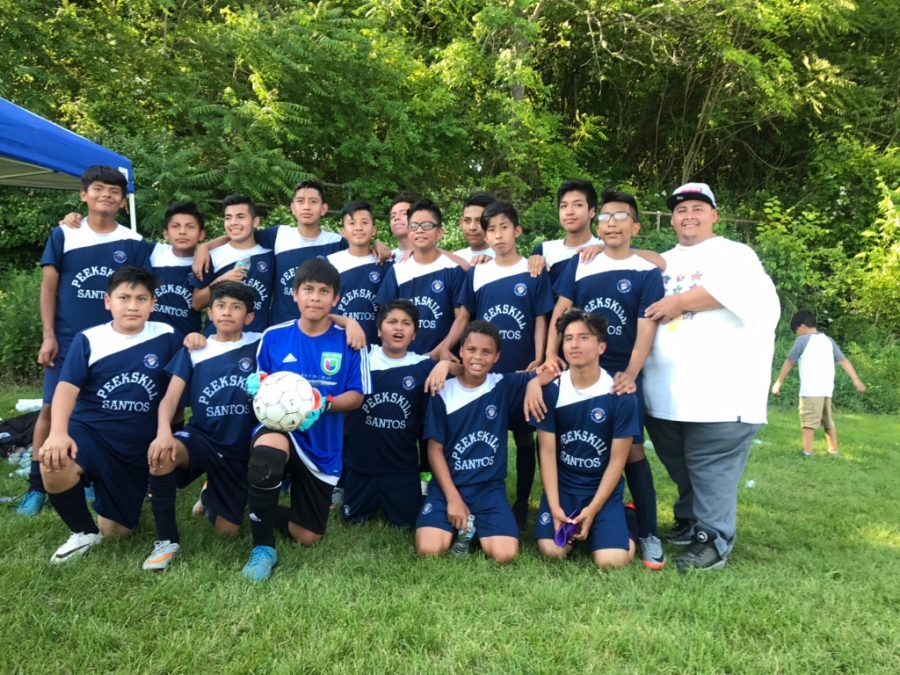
<point x="35" y="152"/>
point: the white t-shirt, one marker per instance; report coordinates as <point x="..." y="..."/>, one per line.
<point x="467" y="253"/>
<point x="816" y="354"/>
<point x="714" y="365"/>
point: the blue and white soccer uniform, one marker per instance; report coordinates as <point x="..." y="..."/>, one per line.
<point x="291" y="250"/>
<point x="332" y="367"/>
<point x="361" y="277"/>
<point x="174" y="293"/>
<point x="585" y="423"/>
<point x="433" y="288"/>
<point x="260" y="273"/>
<point x="472" y="426"/>
<point x="557" y="254"/>
<point x="217" y="437"/>
<point x="85" y="260"/>
<point x="121" y="379"/>
<point x="382" y="455"/>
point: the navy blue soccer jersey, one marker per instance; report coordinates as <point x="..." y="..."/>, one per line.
<point x="511" y="299"/>
<point x="122" y="379"/>
<point x="557" y="254"/>
<point x="220" y="405"/>
<point x="292" y="250"/>
<point x="332" y="367"/>
<point x="383" y="435"/>
<point x="85" y="260"/>
<point x="174" y="293"/>
<point x="585" y="423"/>
<point x="434" y="288"/>
<point x="361" y="277"/>
<point x="618" y="290"/>
<point x="472" y="425"/>
<point x="260" y="272"/>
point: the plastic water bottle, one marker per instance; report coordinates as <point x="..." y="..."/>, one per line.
<point x="464" y="538"/>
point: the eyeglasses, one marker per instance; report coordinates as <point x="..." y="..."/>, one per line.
<point x="616" y="215"/>
<point x="564" y="533"/>
<point x="425" y="227"/>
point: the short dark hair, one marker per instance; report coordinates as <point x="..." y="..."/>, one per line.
<point x="403" y="198"/>
<point x="233" y="289"/>
<point x="614" y="195"/>
<point x="356" y="205"/>
<point x="403" y="305"/>
<point x="481" y="327"/>
<point x="133" y="276"/>
<point x="234" y="200"/>
<point x="320" y="271"/>
<point x="312" y="184"/>
<point x="585" y="187"/>
<point x="427" y="205"/>
<point x="482" y="199"/>
<point x="500" y="208"/>
<point x="186" y="209"/>
<point x="595" y="323"/>
<point x="803" y="318"/>
<point x="100" y="173"/>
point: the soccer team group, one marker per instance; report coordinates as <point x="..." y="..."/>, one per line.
<point x="425" y="361"/>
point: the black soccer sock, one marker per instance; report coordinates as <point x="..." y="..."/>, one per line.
<point x="525" y="465"/>
<point x="162" y="502"/>
<point x="640" y="483"/>
<point x="631" y="522"/>
<point x="282" y="519"/>
<point x="72" y="507"/>
<point x="262" y="506"/>
<point x="35" y="482"/>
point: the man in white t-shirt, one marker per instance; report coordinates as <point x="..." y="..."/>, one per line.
<point x="706" y="379"/>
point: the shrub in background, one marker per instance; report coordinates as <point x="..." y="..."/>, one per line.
<point x="20" y="337"/>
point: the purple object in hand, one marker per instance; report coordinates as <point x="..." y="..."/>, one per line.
<point x="565" y="532"/>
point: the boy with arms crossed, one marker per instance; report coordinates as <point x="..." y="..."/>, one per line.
<point x="103" y="415"/>
<point x="216" y="442"/>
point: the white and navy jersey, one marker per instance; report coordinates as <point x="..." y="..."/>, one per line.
<point x="433" y="288"/>
<point x="292" y="250"/>
<point x="557" y="254"/>
<point x="467" y="253"/>
<point x="360" y="278"/>
<point x="585" y="423"/>
<point x="122" y="379"/>
<point x="383" y="435"/>
<point x="618" y="290"/>
<point x="329" y="365"/>
<point x="511" y="299"/>
<point x="260" y="272"/>
<point x="174" y="293"/>
<point x="472" y="425"/>
<point x="220" y="405"/>
<point x="85" y="260"/>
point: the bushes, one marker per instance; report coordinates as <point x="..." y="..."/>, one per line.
<point x="20" y="337"/>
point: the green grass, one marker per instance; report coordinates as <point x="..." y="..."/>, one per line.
<point x="811" y="587"/>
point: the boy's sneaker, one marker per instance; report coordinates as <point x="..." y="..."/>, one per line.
<point x="262" y="561"/>
<point x="680" y="535"/>
<point x="76" y="546"/>
<point x="652" y="555"/>
<point x="337" y="498"/>
<point x="701" y="555"/>
<point x="31" y="504"/>
<point x="161" y="557"/>
<point x="805" y="454"/>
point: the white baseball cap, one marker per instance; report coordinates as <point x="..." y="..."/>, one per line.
<point x="688" y="191"/>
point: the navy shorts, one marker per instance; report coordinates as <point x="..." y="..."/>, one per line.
<point x="399" y="497"/>
<point x="120" y="482"/>
<point x="51" y="379"/>
<point x="486" y="501"/>
<point x="226" y="491"/>
<point x="609" y="529"/>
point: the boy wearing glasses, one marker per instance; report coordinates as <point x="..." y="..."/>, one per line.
<point x="619" y="285"/>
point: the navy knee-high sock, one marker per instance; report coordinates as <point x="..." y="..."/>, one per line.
<point x="162" y="504"/>
<point x="72" y="507"/>
<point x="262" y="506"/>
<point x="640" y="483"/>
<point x="525" y="464"/>
<point x="35" y="482"/>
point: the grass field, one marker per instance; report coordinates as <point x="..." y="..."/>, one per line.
<point x="812" y="586"/>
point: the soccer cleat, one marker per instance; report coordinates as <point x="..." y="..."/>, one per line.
<point x="31" y="504"/>
<point x="199" y="509"/>
<point x="261" y="563"/>
<point x="337" y="498"/>
<point x="76" y="546"/>
<point x="162" y="555"/>
<point x="652" y="555"/>
<point x="805" y="454"/>
<point x="680" y="535"/>
<point x="701" y="554"/>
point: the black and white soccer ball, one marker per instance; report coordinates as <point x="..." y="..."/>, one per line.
<point x="284" y="400"/>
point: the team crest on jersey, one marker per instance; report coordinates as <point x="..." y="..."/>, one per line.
<point x="545" y="518"/>
<point x="320" y="257"/>
<point x="119" y="256"/>
<point x="491" y="412"/>
<point x="262" y="265"/>
<point x="245" y="364"/>
<point x="374" y="276"/>
<point x="598" y="415"/>
<point x="437" y="285"/>
<point x="624" y="285"/>
<point x="427" y="509"/>
<point x="409" y="383"/>
<point x="331" y="362"/>
<point x="520" y="289"/>
<point x="346" y="511"/>
<point x="151" y="360"/>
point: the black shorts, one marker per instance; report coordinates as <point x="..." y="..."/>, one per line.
<point x="399" y="497"/>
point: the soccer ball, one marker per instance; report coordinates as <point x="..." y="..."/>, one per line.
<point x="283" y="401"/>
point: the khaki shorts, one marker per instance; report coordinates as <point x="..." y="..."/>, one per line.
<point x="815" y="411"/>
